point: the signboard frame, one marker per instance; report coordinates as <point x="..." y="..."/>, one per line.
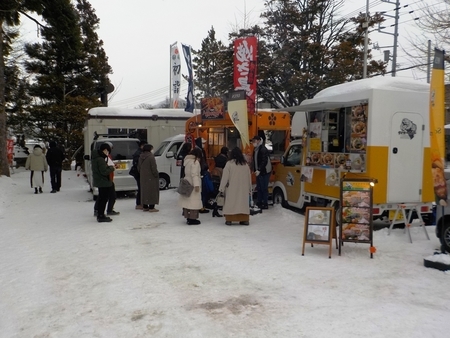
<point x="356" y="215"/>
<point x="319" y="222"/>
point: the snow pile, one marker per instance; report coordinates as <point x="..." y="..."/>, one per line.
<point x="439" y="258"/>
<point x="62" y="274"/>
<point x="6" y="188"/>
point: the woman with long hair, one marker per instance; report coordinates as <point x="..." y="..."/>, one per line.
<point x="193" y="203"/>
<point x="185" y="150"/>
<point x="236" y="184"/>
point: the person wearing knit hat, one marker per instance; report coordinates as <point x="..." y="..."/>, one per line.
<point x="37" y="163"/>
<point x="55" y="158"/>
<point x="112" y="193"/>
<point x="100" y="174"/>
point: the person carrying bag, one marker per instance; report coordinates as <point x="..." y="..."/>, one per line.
<point x="185" y="188"/>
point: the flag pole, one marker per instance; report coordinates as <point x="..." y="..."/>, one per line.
<point x="170" y="76"/>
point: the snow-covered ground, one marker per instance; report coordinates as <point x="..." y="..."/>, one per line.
<point x="62" y="274"/>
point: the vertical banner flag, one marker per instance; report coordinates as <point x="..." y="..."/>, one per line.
<point x="437" y="131"/>
<point x="237" y="109"/>
<point x="175" y="71"/>
<point x="10" y="150"/>
<point x="245" y="54"/>
<point x="190" y="93"/>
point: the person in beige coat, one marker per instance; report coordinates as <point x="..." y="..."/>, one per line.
<point x="192" y="204"/>
<point x="236" y="184"/>
<point x="37" y="163"/>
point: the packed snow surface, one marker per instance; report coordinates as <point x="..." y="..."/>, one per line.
<point x="62" y="274"/>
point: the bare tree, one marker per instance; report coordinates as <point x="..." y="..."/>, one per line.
<point x="434" y="24"/>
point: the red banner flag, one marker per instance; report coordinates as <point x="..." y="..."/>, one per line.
<point x="245" y="56"/>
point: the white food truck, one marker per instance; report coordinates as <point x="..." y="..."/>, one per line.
<point x="376" y="129"/>
<point x="124" y="128"/>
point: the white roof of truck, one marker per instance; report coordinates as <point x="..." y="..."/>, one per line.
<point x="344" y="93"/>
<point x="138" y="113"/>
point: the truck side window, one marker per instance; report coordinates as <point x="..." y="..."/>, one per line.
<point x="294" y="156"/>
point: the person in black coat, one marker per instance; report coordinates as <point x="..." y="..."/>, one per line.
<point x="263" y="169"/>
<point x="55" y="158"/>
<point x="204" y="174"/>
<point x="185" y="150"/>
<point x="221" y="159"/>
<point x="135" y="173"/>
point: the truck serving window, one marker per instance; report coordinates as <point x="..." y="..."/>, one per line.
<point x="330" y="126"/>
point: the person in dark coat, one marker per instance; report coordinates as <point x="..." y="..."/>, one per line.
<point x="101" y="176"/>
<point x="149" y="178"/>
<point x="135" y="173"/>
<point x="112" y="192"/>
<point x="185" y="150"/>
<point x="263" y="169"/>
<point x="55" y="158"/>
<point x="203" y="173"/>
<point x="221" y="159"/>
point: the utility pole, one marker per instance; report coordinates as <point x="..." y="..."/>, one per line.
<point x="395" y="34"/>
<point x="429" y="62"/>
<point x="366" y="40"/>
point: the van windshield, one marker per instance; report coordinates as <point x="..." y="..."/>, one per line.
<point x="122" y="150"/>
<point x="161" y="148"/>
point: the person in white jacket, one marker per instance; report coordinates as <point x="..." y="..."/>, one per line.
<point x="193" y="203"/>
<point x="37" y="163"/>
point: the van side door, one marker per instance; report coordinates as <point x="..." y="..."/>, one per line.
<point x="174" y="169"/>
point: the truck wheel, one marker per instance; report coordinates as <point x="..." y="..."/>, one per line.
<point x="164" y="181"/>
<point x="278" y="198"/>
<point x="445" y="237"/>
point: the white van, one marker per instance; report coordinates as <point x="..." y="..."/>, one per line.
<point x="165" y="156"/>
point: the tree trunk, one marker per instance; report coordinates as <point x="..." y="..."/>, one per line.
<point x="4" y="166"/>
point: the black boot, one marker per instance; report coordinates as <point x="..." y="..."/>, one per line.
<point x="215" y="213"/>
<point x="40" y="190"/>
<point x="191" y="221"/>
<point x="35" y="190"/>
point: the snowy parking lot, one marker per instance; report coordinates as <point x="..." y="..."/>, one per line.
<point x="62" y="274"/>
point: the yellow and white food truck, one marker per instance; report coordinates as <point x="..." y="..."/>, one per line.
<point x="375" y="129"/>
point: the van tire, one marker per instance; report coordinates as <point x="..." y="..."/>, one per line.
<point x="164" y="182"/>
<point x="445" y="238"/>
<point x="278" y="198"/>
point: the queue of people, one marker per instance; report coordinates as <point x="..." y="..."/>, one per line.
<point x="235" y="182"/>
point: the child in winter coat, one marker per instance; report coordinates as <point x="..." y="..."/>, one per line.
<point x="37" y="163"/>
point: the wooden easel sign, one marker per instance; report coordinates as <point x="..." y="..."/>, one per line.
<point x="319" y="227"/>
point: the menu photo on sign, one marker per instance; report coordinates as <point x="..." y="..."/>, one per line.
<point x="318" y="225"/>
<point x="356" y="211"/>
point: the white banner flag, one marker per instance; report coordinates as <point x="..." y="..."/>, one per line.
<point x="175" y="72"/>
<point x="237" y="109"/>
